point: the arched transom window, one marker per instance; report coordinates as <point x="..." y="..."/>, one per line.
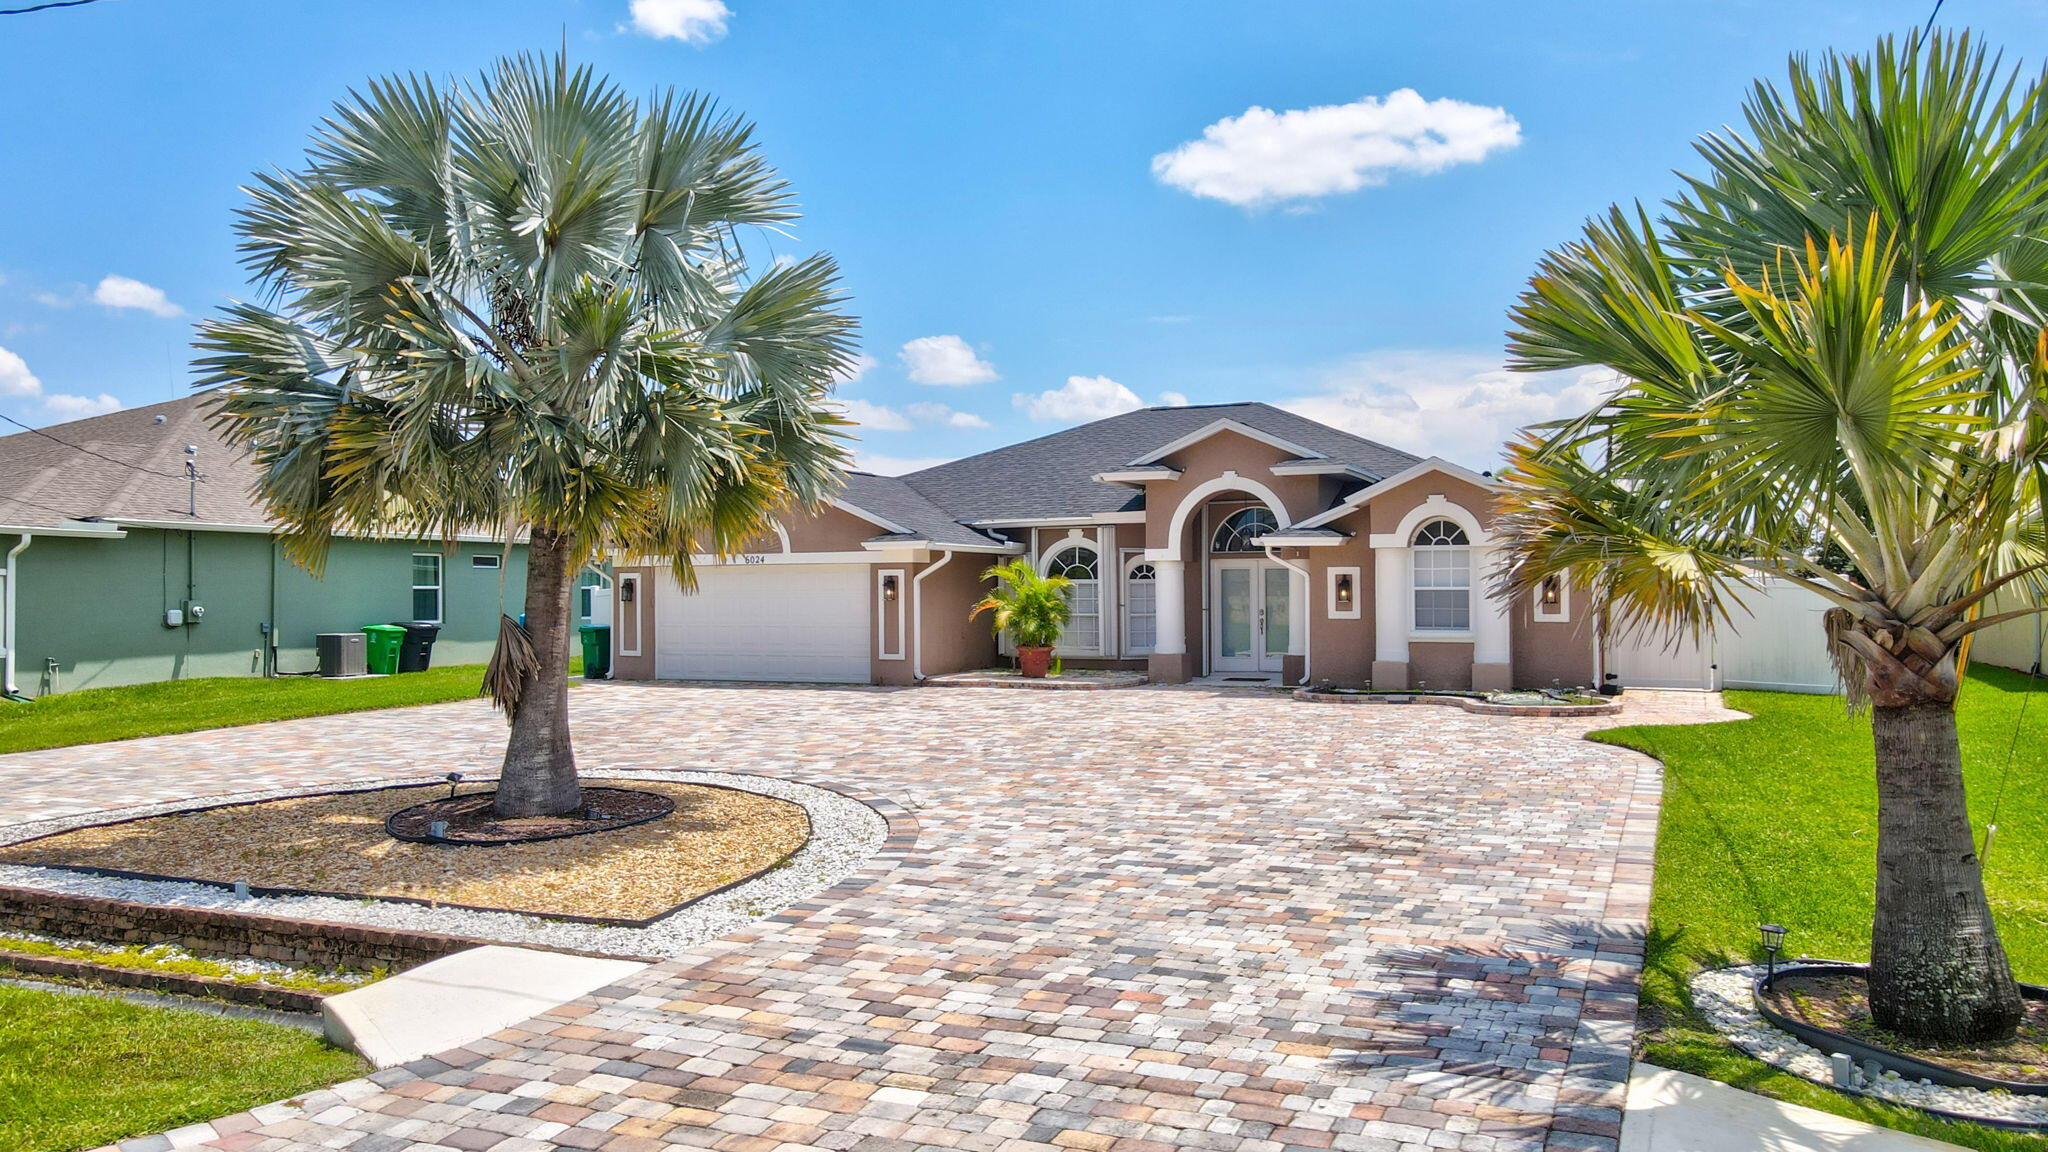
<point x="1443" y="578"/>
<point x="1141" y="614"/>
<point x="1241" y="530"/>
<point x="1078" y="563"/>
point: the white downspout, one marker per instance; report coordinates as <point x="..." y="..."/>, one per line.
<point x="917" y="614"/>
<point x="1308" y="616"/>
<point x="7" y="611"/>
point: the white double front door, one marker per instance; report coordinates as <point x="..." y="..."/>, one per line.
<point x="1250" y="615"/>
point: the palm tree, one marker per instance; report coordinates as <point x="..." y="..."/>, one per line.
<point x="524" y="304"/>
<point x="1831" y="364"/>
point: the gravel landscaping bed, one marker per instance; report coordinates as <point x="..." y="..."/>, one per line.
<point x="336" y="844"/>
<point x="844" y="834"/>
<point x="1723" y="996"/>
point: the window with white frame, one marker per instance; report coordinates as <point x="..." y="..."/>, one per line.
<point x="426" y="587"/>
<point x="1443" y="578"/>
<point x="1141" y="607"/>
<point x="1240" y="531"/>
<point x="1078" y="564"/>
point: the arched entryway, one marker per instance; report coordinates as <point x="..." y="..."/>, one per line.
<point x="1222" y="604"/>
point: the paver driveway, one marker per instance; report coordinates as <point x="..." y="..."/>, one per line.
<point x="1130" y="921"/>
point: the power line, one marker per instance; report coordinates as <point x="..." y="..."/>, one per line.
<point x="41" y="7"/>
<point x="1930" y="18"/>
<point x="81" y="447"/>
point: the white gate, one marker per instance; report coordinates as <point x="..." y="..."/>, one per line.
<point x="1777" y="644"/>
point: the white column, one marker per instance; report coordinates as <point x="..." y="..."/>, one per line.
<point x="1390" y="601"/>
<point x="1170" y="616"/>
<point x="1491" y="615"/>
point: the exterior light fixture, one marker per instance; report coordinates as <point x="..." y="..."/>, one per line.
<point x="1552" y="593"/>
<point x="889" y="589"/>
<point x="1344" y="590"/>
<point x="1774" y="939"/>
<point x="454" y="781"/>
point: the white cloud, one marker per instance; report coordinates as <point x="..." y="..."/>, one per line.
<point x="79" y="407"/>
<point x="927" y="412"/>
<point x="697" y="22"/>
<point x="1174" y="399"/>
<point x="1461" y="406"/>
<point x="122" y="292"/>
<point x="17" y="382"/>
<point x="875" y="417"/>
<point x="1082" y="398"/>
<point x="894" y="465"/>
<point x="1263" y="157"/>
<point x="946" y="360"/>
<point x="15" y="378"/>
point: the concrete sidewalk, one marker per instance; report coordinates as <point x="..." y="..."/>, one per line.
<point x="1679" y="1112"/>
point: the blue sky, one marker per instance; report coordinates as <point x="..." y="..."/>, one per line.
<point x="1045" y="212"/>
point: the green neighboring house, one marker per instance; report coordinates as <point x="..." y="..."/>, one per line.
<point x="132" y="551"/>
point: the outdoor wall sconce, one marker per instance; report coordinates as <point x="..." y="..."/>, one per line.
<point x="626" y="591"/>
<point x="888" y="589"/>
<point x="1344" y="590"/>
<point x="1552" y="593"/>
<point x="1774" y="939"/>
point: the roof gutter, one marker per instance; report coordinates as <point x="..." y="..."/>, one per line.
<point x="917" y="614"/>
<point x="8" y="624"/>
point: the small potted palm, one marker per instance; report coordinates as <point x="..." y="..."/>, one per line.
<point x="1030" y="609"/>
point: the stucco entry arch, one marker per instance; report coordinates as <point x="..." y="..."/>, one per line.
<point x="1199" y="494"/>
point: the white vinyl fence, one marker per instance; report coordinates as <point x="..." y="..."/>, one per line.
<point x="1777" y="645"/>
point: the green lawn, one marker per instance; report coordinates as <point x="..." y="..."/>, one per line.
<point x="98" y="714"/>
<point x="78" y="1071"/>
<point x="1774" y="820"/>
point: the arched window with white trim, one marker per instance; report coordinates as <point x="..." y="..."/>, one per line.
<point x="1443" y="578"/>
<point x="1078" y="563"/>
<point x="1141" y="607"/>
<point x="1240" y="531"/>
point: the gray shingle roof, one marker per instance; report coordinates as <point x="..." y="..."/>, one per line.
<point x="125" y="465"/>
<point x="890" y="498"/>
<point x="1053" y="476"/>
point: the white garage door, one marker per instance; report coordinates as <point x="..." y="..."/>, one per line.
<point x="801" y="622"/>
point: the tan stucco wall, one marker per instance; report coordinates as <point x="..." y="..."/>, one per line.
<point x="828" y="529"/>
<point x="951" y="642"/>
<point x="1386" y="510"/>
<point x="1550" y="654"/>
<point x="626" y="616"/>
<point x="1439" y="664"/>
<point x="1340" y="650"/>
<point x="1209" y="459"/>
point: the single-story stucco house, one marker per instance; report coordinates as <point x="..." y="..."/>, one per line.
<point x="1237" y="540"/>
<point x="131" y="551"/>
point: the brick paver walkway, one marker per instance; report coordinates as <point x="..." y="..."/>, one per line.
<point x="1131" y="921"/>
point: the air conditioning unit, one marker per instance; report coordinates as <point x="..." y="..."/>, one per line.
<point x="341" y="654"/>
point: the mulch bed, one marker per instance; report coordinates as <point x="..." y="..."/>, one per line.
<point x="471" y="822"/>
<point x="1838" y="1002"/>
<point x="336" y="844"/>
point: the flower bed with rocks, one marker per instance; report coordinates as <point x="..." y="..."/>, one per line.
<point x="1483" y="703"/>
<point x="1727" y="997"/>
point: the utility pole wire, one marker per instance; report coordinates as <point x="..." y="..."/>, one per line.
<point x="82" y="448"/>
<point x="41" y="7"/>
<point x="1930" y="18"/>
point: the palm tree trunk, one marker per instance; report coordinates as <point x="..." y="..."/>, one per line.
<point x="1938" y="973"/>
<point x="539" y="777"/>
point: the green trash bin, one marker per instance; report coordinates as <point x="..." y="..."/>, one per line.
<point x="382" y="643"/>
<point x="597" y="651"/>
